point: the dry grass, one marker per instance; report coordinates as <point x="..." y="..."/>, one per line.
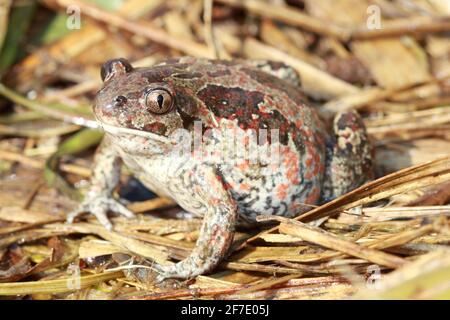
<point x="387" y="239"/>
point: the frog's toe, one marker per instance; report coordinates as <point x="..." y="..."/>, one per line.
<point x="116" y="206"/>
<point x="82" y="208"/>
<point x="100" y="214"/>
<point x="161" y="277"/>
<point x="99" y="207"/>
<point x="75" y="213"/>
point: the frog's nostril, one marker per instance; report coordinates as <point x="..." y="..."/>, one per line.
<point x="120" y="101"/>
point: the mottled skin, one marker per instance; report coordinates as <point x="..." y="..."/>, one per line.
<point x="314" y="165"/>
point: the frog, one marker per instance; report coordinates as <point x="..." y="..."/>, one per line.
<point x="147" y="112"/>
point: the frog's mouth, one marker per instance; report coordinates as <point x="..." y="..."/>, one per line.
<point x="134" y="132"/>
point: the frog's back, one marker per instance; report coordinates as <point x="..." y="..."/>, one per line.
<point x="235" y="95"/>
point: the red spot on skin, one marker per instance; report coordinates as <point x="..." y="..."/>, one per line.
<point x="227" y="186"/>
<point x="313" y="162"/>
<point x="320" y="139"/>
<point x="220" y="179"/>
<point x="295" y="207"/>
<point x="156" y="127"/>
<point x="316" y="158"/>
<point x="244" y="165"/>
<point x="215" y="233"/>
<point x="290" y="161"/>
<point x="242" y="105"/>
<point x="264" y="115"/>
<point x="321" y="168"/>
<point x="282" y="191"/>
<point x="220" y="235"/>
<point x="313" y="197"/>
<point x="244" y="187"/>
<point x="239" y="112"/>
<point x="308" y="175"/>
<point x="216" y="201"/>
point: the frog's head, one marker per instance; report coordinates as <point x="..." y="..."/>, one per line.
<point x="131" y="99"/>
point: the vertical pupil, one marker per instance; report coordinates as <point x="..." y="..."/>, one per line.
<point x="160" y="100"/>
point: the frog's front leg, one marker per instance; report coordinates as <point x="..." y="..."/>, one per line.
<point x="349" y="159"/>
<point x="216" y="233"/>
<point x="105" y="176"/>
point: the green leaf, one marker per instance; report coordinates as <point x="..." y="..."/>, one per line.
<point x="82" y="140"/>
<point x="53" y="110"/>
<point x="19" y="21"/>
<point x="110" y="5"/>
<point x="54" y="29"/>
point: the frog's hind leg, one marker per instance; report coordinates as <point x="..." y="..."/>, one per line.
<point x="349" y="160"/>
<point x="278" y="69"/>
<point x="216" y="233"/>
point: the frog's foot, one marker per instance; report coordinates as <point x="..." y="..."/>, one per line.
<point x="349" y="159"/>
<point x="99" y="206"/>
<point x="216" y="236"/>
<point x="211" y="247"/>
<point x="179" y="270"/>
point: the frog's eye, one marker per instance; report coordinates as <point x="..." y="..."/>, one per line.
<point x="158" y="101"/>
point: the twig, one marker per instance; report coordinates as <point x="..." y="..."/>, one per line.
<point x="314" y="81"/>
<point x="402" y="27"/>
<point x="4" y="13"/>
<point x="239" y="266"/>
<point x="270" y="283"/>
<point x="38" y="164"/>
<point x="291" y="16"/>
<point x="372" y="95"/>
<point x="157" y="203"/>
<point x="55" y="286"/>
<point x="208" y="27"/>
<point x="141" y="28"/>
<point x="137" y="246"/>
<point x="50" y="112"/>
<point x="392" y="213"/>
<point x="328" y="240"/>
<point x="408" y="179"/>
